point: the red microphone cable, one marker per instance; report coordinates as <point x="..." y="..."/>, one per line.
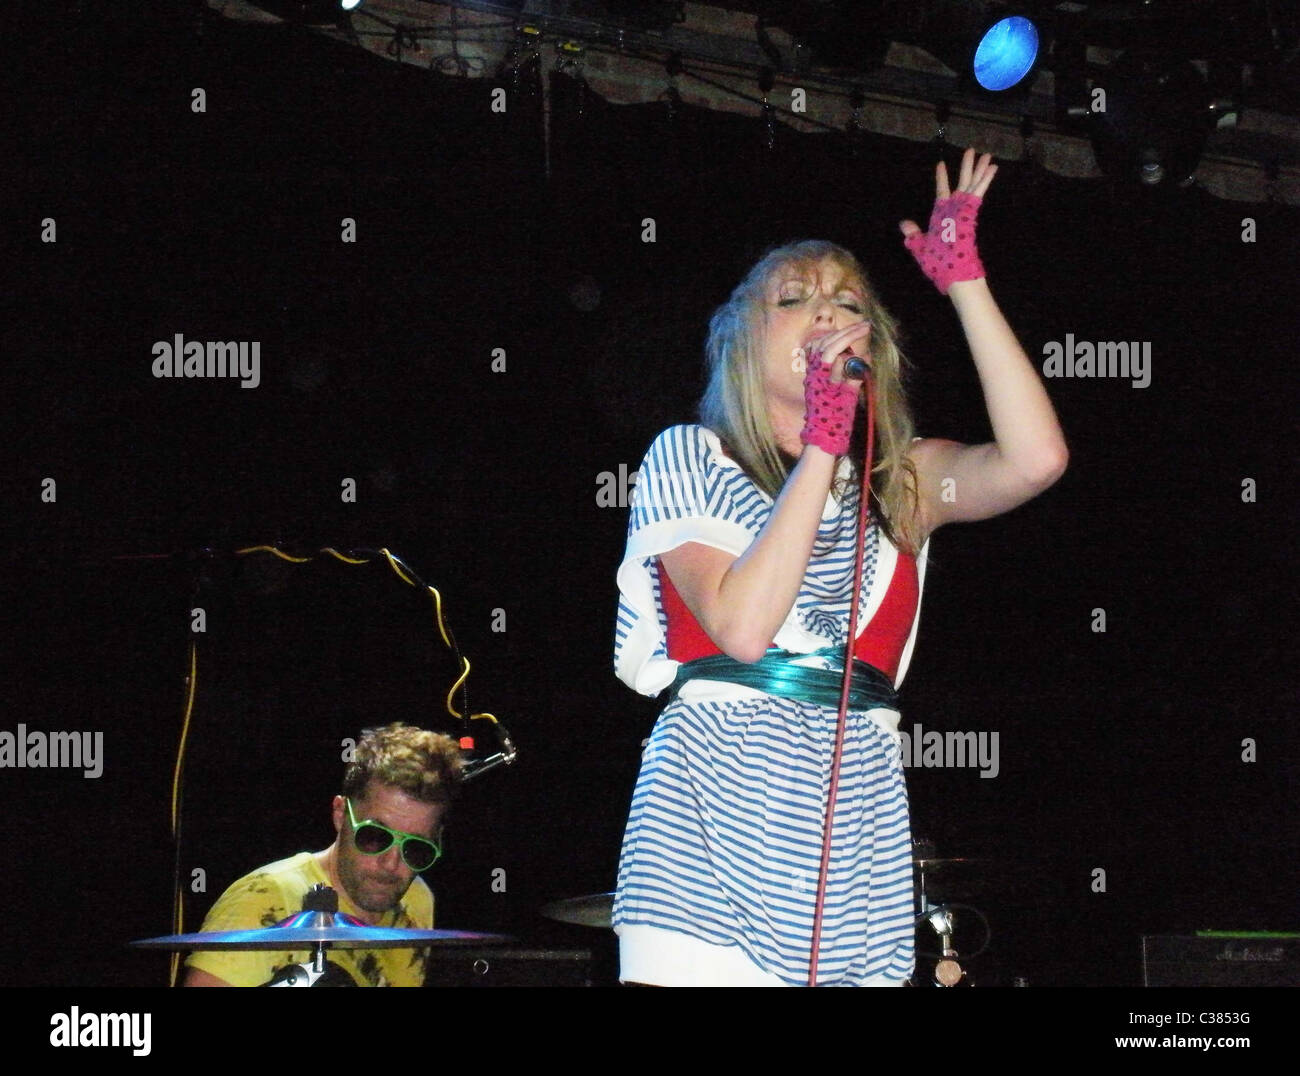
<point x="864" y="508"/>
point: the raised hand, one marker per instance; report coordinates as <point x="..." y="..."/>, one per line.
<point x="946" y="252"/>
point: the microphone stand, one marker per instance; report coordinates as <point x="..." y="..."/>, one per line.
<point x="854" y="368"/>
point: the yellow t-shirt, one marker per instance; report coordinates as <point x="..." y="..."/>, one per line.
<point x="275" y="892"/>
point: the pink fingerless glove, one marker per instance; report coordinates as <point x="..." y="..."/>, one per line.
<point x="828" y="408"/>
<point x="946" y="253"/>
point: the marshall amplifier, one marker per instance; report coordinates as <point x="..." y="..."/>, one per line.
<point x="1221" y="958"/>
<point x="498" y="966"/>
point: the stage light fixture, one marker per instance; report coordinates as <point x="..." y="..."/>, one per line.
<point x="1154" y="118"/>
<point x="993" y="47"/>
<point x="1006" y="53"/>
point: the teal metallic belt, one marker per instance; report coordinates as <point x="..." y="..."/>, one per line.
<point x="776" y="674"/>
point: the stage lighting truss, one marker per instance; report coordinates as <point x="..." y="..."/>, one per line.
<point x="1152" y="126"/>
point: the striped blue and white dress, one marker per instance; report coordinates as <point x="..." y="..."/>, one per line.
<point x="719" y="866"/>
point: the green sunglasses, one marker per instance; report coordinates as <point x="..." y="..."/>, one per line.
<point x="374" y="839"/>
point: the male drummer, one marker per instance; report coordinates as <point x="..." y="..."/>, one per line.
<point x="388" y="822"/>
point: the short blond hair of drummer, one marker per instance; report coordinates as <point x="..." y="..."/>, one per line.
<point x="425" y="765"/>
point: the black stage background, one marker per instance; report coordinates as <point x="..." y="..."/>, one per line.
<point x="1119" y="750"/>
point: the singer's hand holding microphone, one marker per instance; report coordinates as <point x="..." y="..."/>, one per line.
<point x="830" y="400"/>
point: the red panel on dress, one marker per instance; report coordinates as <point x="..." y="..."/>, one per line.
<point x="882" y="641"/>
<point x="686" y="639"/>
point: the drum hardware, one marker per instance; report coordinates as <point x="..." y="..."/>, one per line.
<point x="593" y="910"/>
<point x="947" y="972"/>
<point x="941" y="915"/>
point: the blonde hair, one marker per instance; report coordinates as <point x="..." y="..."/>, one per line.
<point x="734" y="404"/>
<point x="425" y="765"/>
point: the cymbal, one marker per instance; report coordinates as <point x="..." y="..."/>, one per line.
<point x="309" y="929"/>
<point x="593" y="910"/>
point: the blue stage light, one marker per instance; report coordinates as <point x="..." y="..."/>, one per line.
<point x="1006" y="53"/>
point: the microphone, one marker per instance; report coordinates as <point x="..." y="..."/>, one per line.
<point x="856" y="369"/>
<point x="505" y="756"/>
